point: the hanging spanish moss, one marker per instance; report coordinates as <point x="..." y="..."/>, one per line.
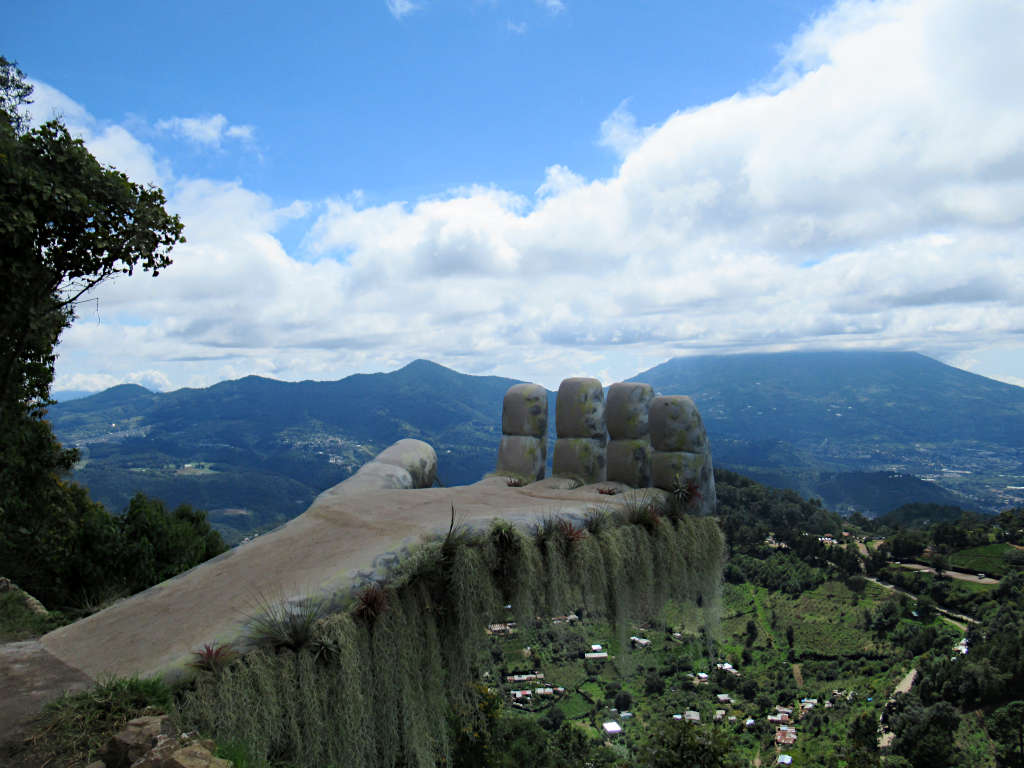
<point x="381" y="682"/>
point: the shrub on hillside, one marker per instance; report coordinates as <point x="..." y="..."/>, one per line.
<point x="79" y="556"/>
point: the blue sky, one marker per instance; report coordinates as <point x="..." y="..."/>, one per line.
<point x="345" y="96"/>
<point x="546" y="188"/>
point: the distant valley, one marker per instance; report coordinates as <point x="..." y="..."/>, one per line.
<point x="865" y="431"/>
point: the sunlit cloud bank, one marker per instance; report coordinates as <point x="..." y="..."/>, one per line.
<point x="869" y="193"/>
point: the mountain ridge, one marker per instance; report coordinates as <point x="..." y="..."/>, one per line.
<point x="263" y="448"/>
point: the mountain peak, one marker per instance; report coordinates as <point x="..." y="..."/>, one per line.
<point x="422" y="364"/>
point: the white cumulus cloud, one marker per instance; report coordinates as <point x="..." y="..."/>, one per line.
<point x="400" y="8"/>
<point x="207" y="131"/>
<point x="620" y="132"/>
<point x="111" y="144"/>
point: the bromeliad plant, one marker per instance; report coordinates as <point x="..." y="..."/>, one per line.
<point x="213" y="657"/>
<point x="685" y="494"/>
<point x="371" y="602"/>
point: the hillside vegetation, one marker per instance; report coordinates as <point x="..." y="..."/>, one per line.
<point x="404" y="676"/>
<point x="255" y="452"/>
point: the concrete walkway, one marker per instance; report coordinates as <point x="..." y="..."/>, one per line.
<point x="341" y="539"/>
<point x="29" y="678"/>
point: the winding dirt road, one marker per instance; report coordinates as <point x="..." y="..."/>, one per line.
<point x="960" y="575"/>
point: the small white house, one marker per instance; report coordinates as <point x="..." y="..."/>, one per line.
<point x="612" y="728"/>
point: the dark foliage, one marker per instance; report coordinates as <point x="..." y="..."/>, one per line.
<point x="675" y="744"/>
<point x="923" y="733"/>
<point x="371" y="602"/>
<point x="67" y="223"/>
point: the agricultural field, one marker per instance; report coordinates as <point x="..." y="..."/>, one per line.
<point x="991" y="559"/>
<point x="821" y="644"/>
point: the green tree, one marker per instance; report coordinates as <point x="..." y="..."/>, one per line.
<point x="570" y="745"/>
<point x="1006" y="727"/>
<point x="751" y="635"/>
<point x="623" y="701"/>
<point x="14" y="94"/>
<point x="157" y="545"/>
<point x="67" y="223"/>
<point x="863" y="740"/>
<point x="923" y="733"/>
<point x="677" y="744"/>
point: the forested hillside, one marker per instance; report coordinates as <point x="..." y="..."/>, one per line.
<point x="255" y="452"/>
<point x="859" y="428"/>
<point x="864" y="431"/>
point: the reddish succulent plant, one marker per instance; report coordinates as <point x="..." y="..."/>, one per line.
<point x="371" y="603"/>
<point x="571" y="534"/>
<point x="213" y="657"/>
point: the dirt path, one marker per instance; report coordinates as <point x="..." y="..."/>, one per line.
<point x="904" y="685"/>
<point x="952" y="574"/>
<point x="862" y="548"/>
<point x="29" y="678"/>
<point x="885" y="738"/>
<point x="798" y="676"/>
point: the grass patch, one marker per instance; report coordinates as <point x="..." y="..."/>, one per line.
<point x="17" y="622"/>
<point x="973" y="742"/>
<point x="75" y="728"/>
<point x="592" y="691"/>
<point x="575" y="706"/>
<point x="969" y="588"/>
<point x="237" y="753"/>
<point x="989" y="559"/>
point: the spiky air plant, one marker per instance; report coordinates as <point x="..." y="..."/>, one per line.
<point x="371" y="602"/>
<point x="286" y="624"/>
<point x="597" y="520"/>
<point x="570" y="533"/>
<point x="686" y="494"/>
<point x="642" y="508"/>
<point x="213" y="657"/>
